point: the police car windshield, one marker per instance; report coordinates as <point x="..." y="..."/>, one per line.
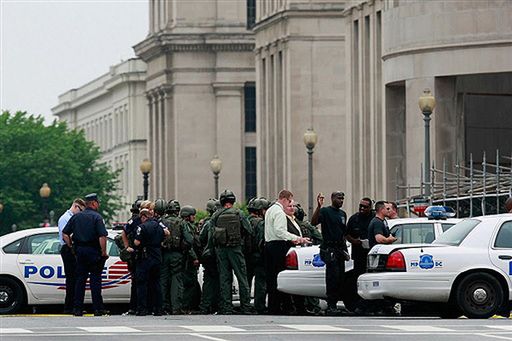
<point x="455" y="235"/>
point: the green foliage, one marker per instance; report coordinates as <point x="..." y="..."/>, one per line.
<point x="200" y="214"/>
<point x="32" y="154"/>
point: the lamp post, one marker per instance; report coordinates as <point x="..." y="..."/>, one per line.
<point x="310" y="140"/>
<point x="44" y="193"/>
<point x="145" y="168"/>
<point x="216" y="166"/>
<point x="427" y="102"/>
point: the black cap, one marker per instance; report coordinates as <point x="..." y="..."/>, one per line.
<point x="92" y="197"/>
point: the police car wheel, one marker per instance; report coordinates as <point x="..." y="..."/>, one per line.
<point x="479" y="295"/>
<point x="11" y="296"/>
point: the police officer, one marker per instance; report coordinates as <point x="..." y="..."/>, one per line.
<point x="148" y="239"/>
<point x="174" y="250"/>
<point x="254" y="260"/>
<point x="210" y="296"/>
<point x="128" y="236"/>
<point x="357" y="234"/>
<point x="230" y="228"/>
<point x="333" y="249"/>
<point x="191" y="296"/>
<point x="86" y="232"/>
<point x="67" y="255"/>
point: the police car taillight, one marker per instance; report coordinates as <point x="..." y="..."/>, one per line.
<point x="395" y="262"/>
<point x="292" y="262"/>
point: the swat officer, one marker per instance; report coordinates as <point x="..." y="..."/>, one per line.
<point x="333" y="249"/>
<point x="174" y="250"/>
<point x="209" y="299"/>
<point x="191" y="296"/>
<point x="254" y="260"/>
<point x="85" y="231"/>
<point x="230" y="228"/>
<point x="148" y="238"/>
<point x="128" y="237"/>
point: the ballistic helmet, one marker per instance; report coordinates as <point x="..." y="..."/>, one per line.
<point x="187" y="211"/>
<point x="160" y="206"/>
<point x="211" y="206"/>
<point x="227" y="196"/>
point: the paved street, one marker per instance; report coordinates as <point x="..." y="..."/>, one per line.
<point x="37" y="327"/>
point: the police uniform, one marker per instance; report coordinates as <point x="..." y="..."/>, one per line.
<point x="130" y="229"/>
<point x="149" y="258"/>
<point x="85" y="229"/>
<point x="210" y="295"/>
<point x="174" y="250"/>
<point x="230" y="227"/>
<point x="256" y="264"/>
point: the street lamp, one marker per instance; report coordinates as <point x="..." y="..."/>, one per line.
<point x="216" y="166"/>
<point x="44" y="193"/>
<point x="427" y="102"/>
<point x="310" y="140"/>
<point x="145" y="168"/>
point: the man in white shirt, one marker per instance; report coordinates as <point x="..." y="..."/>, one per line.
<point x="277" y="243"/>
<point x="68" y="257"/>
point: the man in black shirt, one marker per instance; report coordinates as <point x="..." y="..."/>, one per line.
<point x="148" y="238"/>
<point x="85" y="231"/>
<point x="357" y="234"/>
<point x="378" y="230"/>
<point x="333" y="249"/>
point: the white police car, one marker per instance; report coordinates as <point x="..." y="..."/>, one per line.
<point x="305" y="274"/>
<point x="467" y="270"/>
<point x="32" y="273"/>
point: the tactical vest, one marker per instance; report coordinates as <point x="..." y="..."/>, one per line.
<point x="227" y="228"/>
<point x="304" y="229"/>
<point x="173" y="241"/>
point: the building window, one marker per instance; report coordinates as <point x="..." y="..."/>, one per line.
<point x="251" y="13"/>
<point x="250" y="172"/>
<point x="250" y="107"/>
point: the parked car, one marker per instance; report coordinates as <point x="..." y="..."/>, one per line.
<point x="32" y="273"/>
<point x="305" y="274"/>
<point x="467" y="270"/>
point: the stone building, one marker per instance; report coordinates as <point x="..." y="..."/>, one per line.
<point x="244" y="79"/>
<point x="111" y="110"/>
<point x="200" y="89"/>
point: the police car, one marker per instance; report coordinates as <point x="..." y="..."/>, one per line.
<point x="466" y="271"/>
<point x="305" y="274"/>
<point x="32" y="273"/>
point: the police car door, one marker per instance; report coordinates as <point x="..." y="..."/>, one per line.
<point x="41" y="267"/>
<point x="500" y="250"/>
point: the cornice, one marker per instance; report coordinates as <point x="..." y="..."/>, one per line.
<point x="445" y="47"/>
<point x="165" y="42"/>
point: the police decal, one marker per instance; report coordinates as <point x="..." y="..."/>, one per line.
<point x="426" y="262"/>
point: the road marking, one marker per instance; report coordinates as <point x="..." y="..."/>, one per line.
<point x="111" y="329"/>
<point x="420" y="328"/>
<point x="207" y="337"/>
<point x="314" y="328"/>
<point x="213" y="329"/>
<point x="495" y="336"/>
<point x="14" y="331"/>
<point x="501" y="327"/>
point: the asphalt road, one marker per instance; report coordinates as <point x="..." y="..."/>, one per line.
<point x="231" y="328"/>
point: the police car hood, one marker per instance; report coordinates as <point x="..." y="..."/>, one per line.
<point x="385" y="249"/>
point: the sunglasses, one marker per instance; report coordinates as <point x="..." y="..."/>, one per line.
<point x="79" y="207"/>
<point x="364" y="206"/>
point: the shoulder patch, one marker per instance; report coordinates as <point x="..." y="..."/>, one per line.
<point x="130" y="221"/>
<point x="139" y="230"/>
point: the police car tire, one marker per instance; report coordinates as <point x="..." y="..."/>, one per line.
<point x="11" y="291"/>
<point x="465" y="295"/>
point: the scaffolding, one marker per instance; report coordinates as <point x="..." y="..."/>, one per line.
<point x="470" y="190"/>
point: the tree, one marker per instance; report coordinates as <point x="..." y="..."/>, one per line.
<point x="32" y="154"/>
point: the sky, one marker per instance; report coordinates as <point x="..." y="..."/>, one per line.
<point x="50" y="47"/>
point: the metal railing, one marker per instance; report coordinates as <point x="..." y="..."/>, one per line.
<point x="469" y="190"/>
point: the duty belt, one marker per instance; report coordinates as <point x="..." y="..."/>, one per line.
<point x="89" y="244"/>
